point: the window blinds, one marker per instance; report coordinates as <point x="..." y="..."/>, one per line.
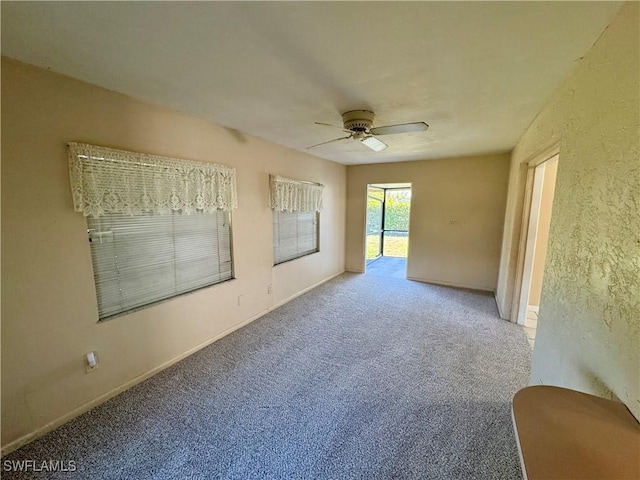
<point x="295" y="234"/>
<point x="295" y="207"/>
<point x="158" y="227"/>
<point x="143" y="259"/>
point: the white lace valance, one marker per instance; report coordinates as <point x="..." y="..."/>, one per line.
<point x="104" y="180"/>
<point x="289" y="195"/>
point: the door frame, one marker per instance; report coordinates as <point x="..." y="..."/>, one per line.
<point x="366" y="226"/>
<point x="528" y="232"/>
<point x="385" y="187"/>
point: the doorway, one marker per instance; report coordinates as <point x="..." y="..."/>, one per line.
<point x="536" y="237"/>
<point x="387" y="229"/>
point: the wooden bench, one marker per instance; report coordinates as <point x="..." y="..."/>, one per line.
<point x="564" y="434"/>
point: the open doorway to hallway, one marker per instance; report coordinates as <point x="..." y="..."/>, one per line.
<point x="387" y="246"/>
<point x="535" y="248"/>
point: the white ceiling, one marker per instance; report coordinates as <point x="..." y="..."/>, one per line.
<point x="476" y="72"/>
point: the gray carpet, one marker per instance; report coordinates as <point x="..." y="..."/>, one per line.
<point x="365" y="377"/>
<point x="388" y="266"/>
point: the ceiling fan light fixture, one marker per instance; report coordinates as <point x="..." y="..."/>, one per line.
<point x="374" y="144"/>
<point x="358" y="124"/>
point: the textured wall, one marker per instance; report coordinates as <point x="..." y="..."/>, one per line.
<point x="457" y="208"/>
<point x="589" y="324"/>
<point x="48" y="300"/>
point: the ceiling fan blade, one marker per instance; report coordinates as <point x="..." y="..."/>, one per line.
<point x="329" y="141"/>
<point x="334" y="126"/>
<point x="402" y="128"/>
<point x="374" y="144"/>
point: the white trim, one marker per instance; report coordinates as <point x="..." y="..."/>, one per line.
<point x="353" y="270"/>
<point x="302" y="292"/>
<point x="535" y="160"/>
<point x="14" y="445"/>
<point x="544" y="155"/>
<point x="526" y="210"/>
<point x="116" y="391"/>
<point x="530" y="243"/>
<point x="498" y="306"/>
<point x="452" y="284"/>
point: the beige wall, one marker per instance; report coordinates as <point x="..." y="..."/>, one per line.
<point x="542" y="236"/>
<point x="48" y="299"/>
<point x="589" y="321"/>
<point x="457" y="208"/>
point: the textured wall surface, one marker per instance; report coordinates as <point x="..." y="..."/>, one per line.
<point x="589" y="323"/>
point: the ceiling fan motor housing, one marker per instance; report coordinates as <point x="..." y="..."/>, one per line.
<point x="357" y="123"/>
<point x="358" y="120"/>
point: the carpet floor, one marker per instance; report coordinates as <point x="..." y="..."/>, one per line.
<point x="388" y="266"/>
<point x="365" y="377"/>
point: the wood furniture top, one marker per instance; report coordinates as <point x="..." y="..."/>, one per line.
<point x="564" y="434"/>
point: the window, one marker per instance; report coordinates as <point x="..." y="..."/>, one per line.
<point x="296" y="219"/>
<point x="139" y="260"/>
<point x="158" y="227"/>
<point x="295" y="234"/>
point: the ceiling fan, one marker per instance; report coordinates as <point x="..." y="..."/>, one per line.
<point x="357" y="123"/>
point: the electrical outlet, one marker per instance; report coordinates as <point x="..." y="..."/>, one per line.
<point x="240" y="299"/>
<point x="90" y="362"/>
<point x="269" y="289"/>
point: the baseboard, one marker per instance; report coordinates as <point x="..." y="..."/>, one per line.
<point x="495" y="298"/>
<point x="302" y="292"/>
<point x="354" y="270"/>
<point x="16" y="444"/>
<point x="451" y="284"/>
<point x="500" y="313"/>
<point x="10" y="447"/>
